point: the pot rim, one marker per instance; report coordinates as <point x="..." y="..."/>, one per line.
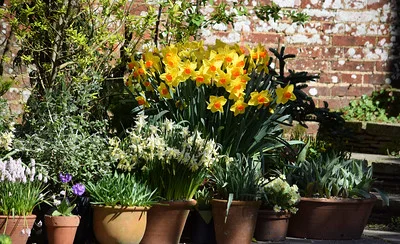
<point x="119" y="207"/>
<point x="235" y="202"/>
<point x="71" y="216"/>
<point x="29" y="216"/>
<point x="339" y="200"/>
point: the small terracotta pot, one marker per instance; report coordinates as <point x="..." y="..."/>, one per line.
<point x="165" y="222"/>
<point x="120" y="225"/>
<point x="17" y="227"/>
<point x="61" y="229"/>
<point x="240" y="223"/>
<point x="330" y="219"/>
<point x="271" y="225"/>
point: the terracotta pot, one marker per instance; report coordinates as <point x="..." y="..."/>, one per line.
<point x="17" y="227"/>
<point x="61" y="229"/>
<point x="120" y="225"/>
<point x="271" y="225"/>
<point x="330" y="219"/>
<point x="165" y="222"/>
<point x="240" y="224"/>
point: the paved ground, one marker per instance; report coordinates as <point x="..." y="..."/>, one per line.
<point x="369" y="237"/>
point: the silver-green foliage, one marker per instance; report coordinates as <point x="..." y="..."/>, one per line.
<point x="331" y="175"/>
<point x="240" y="177"/>
<point x="61" y="134"/>
<point x="122" y="190"/>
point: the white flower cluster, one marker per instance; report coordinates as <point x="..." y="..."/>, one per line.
<point x="163" y="142"/>
<point x="6" y="137"/>
<point x="280" y="195"/>
<point x="13" y="170"/>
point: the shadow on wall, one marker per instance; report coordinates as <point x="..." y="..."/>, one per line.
<point x="395" y="65"/>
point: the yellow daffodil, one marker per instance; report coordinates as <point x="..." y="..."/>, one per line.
<point x="201" y="77"/>
<point x="216" y="104"/>
<point x="186" y="69"/>
<point x="151" y="61"/>
<point x="260" y="98"/>
<point x="235" y="72"/>
<point x="212" y="65"/>
<point x="239" y="107"/>
<point x="170" y="77"/>
<point x="283" y="95"/>
<point x="222" y="79"/>
<point x="164" y="91"/>
<point x="142" y="101"/>
<point x="236" y="89"/>
<point x="171" y="58"/>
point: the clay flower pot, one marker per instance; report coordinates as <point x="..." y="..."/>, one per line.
<point x="330" y="219"/>
<point x="271" y="225"/>
<point x="240" y="224"/>
<point x="166" y="221"/>
<point x="61" y="229"/>
<point x="114" y="225"/>
<point x="17" y="227"/>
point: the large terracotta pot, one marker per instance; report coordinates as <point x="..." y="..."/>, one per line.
<point x="17" y="227"/>
<point x="240" y="223"/>
<point x="271" y="225"/>
<point x="61" y="229"/>
<point x="330" y="219"/>
<point x="166" y="221"/>
<point x="120" y="225"/>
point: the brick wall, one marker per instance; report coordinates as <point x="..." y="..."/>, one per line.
<point x="351" y="44"/>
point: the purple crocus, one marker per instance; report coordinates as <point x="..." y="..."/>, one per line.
<point x="65" y="178"/>
<point x="78" y="189"/>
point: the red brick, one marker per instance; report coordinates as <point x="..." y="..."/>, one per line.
<point x="333" y="103"/>
<point x="375" y="79"/>
<point x="321" y="91"/>
<point x="350" y="91"/>
<point x="381" y="66"/>
<point x="307" y="65"/>
<point x="306" y="38"/>
<point x="384" y="41"/>
<point x="327" y="77"/>
<point x="304" y="52"/>
<point x="352" y="78"/>
<point x="358" y="53"/>
<point x="345" y="40"/>
<point x="373" y="4"/>
<point x="306" y="3"/>
<point x="264" y="38"/>
<point x="332" y="52"/>
<point x="358" y="66"/>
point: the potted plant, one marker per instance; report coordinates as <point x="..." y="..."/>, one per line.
<point x="21" y="190"/>
<point x="62" y="224"/>
<point x="120" y="203"/>
<point x="235" y="206"/>
<point x="173" y="161"/>
<point x="336" y="201"/>
<point x="279" y="201"/>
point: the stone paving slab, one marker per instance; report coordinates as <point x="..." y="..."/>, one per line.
<point x="369" y="237"/>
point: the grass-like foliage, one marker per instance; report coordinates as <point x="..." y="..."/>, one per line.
<point x="20" y="188"/>
<point x="239" y="176"/>
<point x="120" y="190"/>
